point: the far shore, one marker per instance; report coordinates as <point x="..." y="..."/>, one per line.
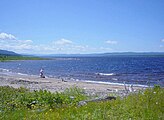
<point x="59" y="85"/>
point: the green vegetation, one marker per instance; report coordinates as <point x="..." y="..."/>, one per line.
<point x="9" y="55"/>
<point x="8" y="58"/>
<point x="21" y="104"/>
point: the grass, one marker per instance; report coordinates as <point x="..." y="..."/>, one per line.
<point x="8" y="58"/>
<point x="21" y="104"/>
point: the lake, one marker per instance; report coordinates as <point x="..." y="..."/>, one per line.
<point x="139" y="70"/>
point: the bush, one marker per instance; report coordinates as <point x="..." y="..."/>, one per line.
<point x="22" y="104"/>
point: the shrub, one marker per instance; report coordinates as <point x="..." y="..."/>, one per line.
<point x="22" y="104"/>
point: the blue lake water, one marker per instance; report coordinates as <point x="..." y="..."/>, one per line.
<point x="113" y="69"/>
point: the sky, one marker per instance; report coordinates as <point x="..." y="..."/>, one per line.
<point x="81" y="26"/>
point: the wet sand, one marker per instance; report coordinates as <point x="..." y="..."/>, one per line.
<point x="59" y="85"/>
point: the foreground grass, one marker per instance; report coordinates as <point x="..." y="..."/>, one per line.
<point x="43" y="105"/>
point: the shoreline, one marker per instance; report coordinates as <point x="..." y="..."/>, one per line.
<point x="9" y="73"/>
<point x="59" y="85"/>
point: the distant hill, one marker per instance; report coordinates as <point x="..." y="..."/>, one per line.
<point x="137" y="53"/>
<point x="8" y="53"/>
<point x="106" y="54"/>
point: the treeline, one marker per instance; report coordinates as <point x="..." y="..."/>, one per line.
<point x="8" y="58"/>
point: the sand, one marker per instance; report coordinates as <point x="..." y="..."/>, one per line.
<point x="59" y="85"/>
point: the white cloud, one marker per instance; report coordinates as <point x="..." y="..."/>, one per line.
<point x="27" y="46"/>
<point x="162" y="45"/>
<point x="111" y="42"/>
<point x="63" y="42"/>
<point x="105" y="49"/>
<point x="9" y="42"/>
<point x="62" y="46"/>
<point x="5" y="36"/>
<point x="27" y="41"/>
<point x="16" y="47"/>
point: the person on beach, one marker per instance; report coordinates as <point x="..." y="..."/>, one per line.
<point x="41" y="73"/>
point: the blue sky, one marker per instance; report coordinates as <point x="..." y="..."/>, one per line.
<point x="81" y="26"/>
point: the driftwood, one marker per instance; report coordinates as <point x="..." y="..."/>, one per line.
<point x="84" y="102"/>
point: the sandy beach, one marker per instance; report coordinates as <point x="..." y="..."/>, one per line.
<point x="59" y="85"/>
